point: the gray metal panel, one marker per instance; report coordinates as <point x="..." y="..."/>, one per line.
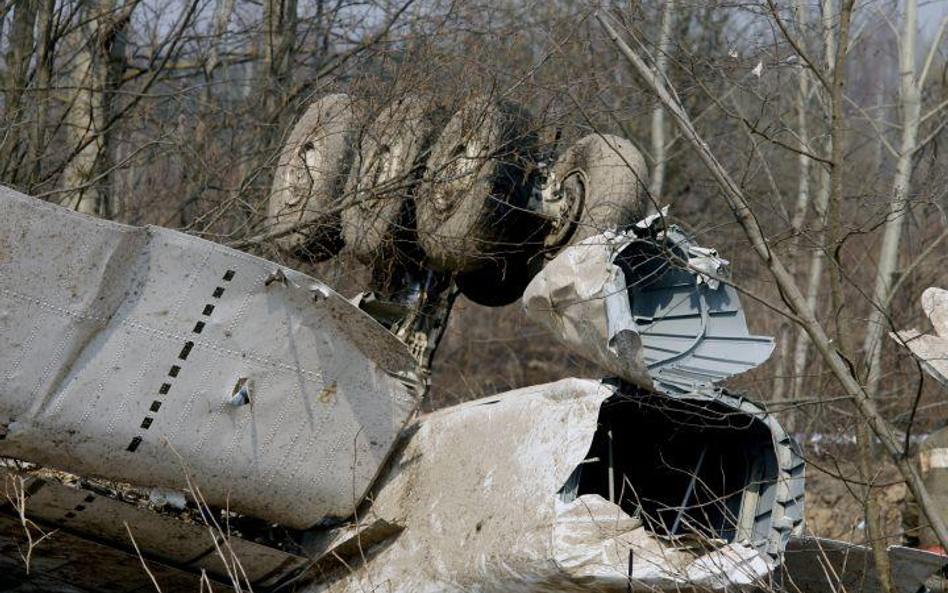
<point x="778" y="511"/>
<point x="173" y="540"/>
<point x="693" y="331"/>
<point x="67" y="563"/>
<point x="818" y="565"/>
<point x="116" y="342"/>
<point x="660" y="296"/>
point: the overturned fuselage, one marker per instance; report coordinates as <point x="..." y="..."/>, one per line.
<point x="574" y="486"/>
<point x="224" y="399"/>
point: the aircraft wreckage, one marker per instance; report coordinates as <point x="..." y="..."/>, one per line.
<point x="173" y="403"/>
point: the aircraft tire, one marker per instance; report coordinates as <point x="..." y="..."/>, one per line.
<point x="385" y="172"/>
<point x="614" y="177"/>
<point x="472" y="205"/>
<point x="310" y="176"/>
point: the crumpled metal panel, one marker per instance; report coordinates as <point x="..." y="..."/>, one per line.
<point x="477" y="494"/>
<point x="778" y="514"/>
<point x="647" y="305"/>
<point x="581" y="297"/>
<point x="692" y="326"/>
<point x="123" y="348"/>
<point x="819" y="565"/>
<point x="172" y="541"/>
<point x="72" y="564"/>
<point x="931" y="349"/>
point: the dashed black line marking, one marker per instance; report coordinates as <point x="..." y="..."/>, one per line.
<point x="175" y="369"/>
<point x="76" y="509"/>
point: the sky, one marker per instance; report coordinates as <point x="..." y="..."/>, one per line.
<point x="930" y="13"/>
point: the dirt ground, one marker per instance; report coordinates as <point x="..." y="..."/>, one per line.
<point x="834" y="498"/>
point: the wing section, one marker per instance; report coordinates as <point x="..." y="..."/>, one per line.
<point x="141" y="354"/>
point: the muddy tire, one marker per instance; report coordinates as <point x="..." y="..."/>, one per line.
<point x="612" y="174"/>
<point x="310" y="176"/>
<point x="471" y="206"/>
<point x="386" y="169"/>
<point x="499" y="283"/>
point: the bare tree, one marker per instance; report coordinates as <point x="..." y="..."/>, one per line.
<point x="98" y="45"/>
<point x="911" y="85"/>
<point x="18" y="57"/>
<point x="659" y="150"/>
<point x="792" y="296"/>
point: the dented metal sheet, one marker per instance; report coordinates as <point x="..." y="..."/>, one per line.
<point x="476" y="498"/>
<point x="649" y="308"/>
<point x="819" y="565"/>
<point x="692" y="325"/>
<point x="931" y="349"/>
<point x="172" y="541"/>
<point x="123" y="350"/>
<point x="73" y="564"/>
<point x="581" y="297"/>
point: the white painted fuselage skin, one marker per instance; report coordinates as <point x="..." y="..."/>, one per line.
<point x="123" y="349"/>
<point x="475" y="494"/>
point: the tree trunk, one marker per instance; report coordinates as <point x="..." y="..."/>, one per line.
<point x="113" y="50"/>
<point x="15" y="80"/>
<point x="814" y="282"/>
<point x="794" y="299"/>
<point x="274" y="74"/>
<point x="222" y="13"/>
<point x="99" y="46"/>
<point x="279" y="43"/>
<point x="659" y="149"/>
<point x="45" y="53"/>
<point x="817" y="260"/>
<point x="796" y="224"/>
<point x="80" y="119"/>
<point x="910" y="105"/>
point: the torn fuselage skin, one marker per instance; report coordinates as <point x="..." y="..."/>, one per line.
<point x="540" y="489"/>
<point x="512" y="493"/>
<point x="701" y="487"/>
<point x="648" y="305"/>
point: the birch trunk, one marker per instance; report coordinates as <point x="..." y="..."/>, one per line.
<point x="910" y="106"/>
<point x="814" y="279"/>
<point x="803" y="99"/>
<point x="659" y="148"/>
<point x="910" y="90"/>
<point x="99" y="47"/>
<point x="796" y="224"/>
<point x="794" y="299"/>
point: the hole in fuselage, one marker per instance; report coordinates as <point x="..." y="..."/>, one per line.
<point x="681" y="466"/>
